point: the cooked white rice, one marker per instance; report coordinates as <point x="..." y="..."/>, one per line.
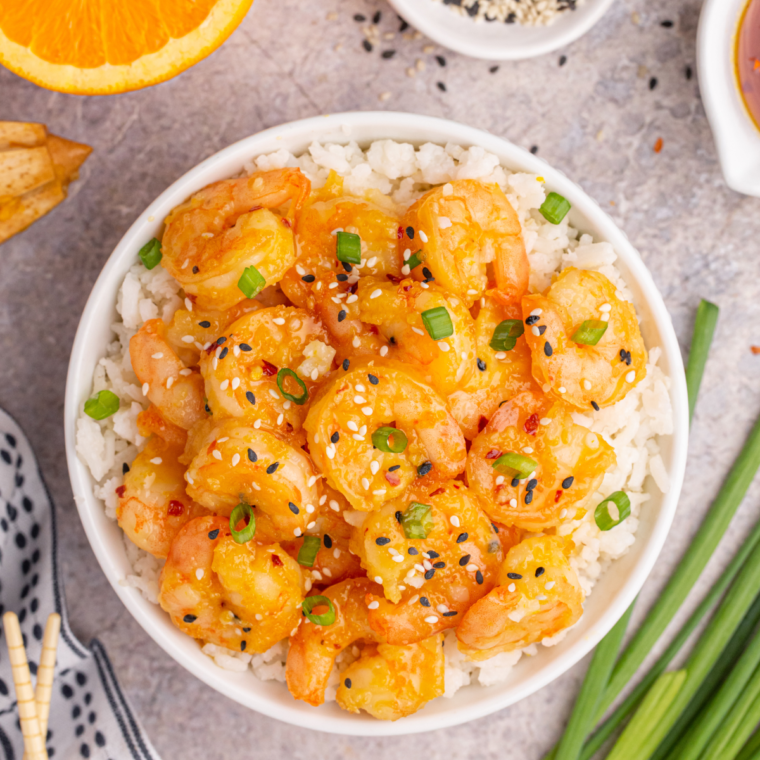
<point x="404" y="172"/>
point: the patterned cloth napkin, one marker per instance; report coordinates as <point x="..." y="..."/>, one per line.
<point x="89" y="714"/>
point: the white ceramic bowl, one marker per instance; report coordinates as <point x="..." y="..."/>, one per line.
<point x="497" y="41"/>
<point x="736" y="136"/>
<point x="614" y="592"/>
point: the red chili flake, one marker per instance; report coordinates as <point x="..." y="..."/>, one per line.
<point x="287" y="223"/>
<point x="211" y="447"/>
<point x="438" y="491"/>
<point x="276" y="561"/>
<point x="755" y="349"/>
<point x="191" y="297"/>
<point x="392" y="478"/>
<point x="407" y="288"/>
<point x="557" y="496"/>
<point x="254" y="208"/>
<point x="269" y="369"/>
<point x="658" y="145"/>
<point x="493" y="454"/>
<point x="531" y="424"/>
<point x="120" y="491"/>
<point x="395" y="280"/>
<point x="482" y="422"/>
<point x="400" y="233"/>
<point x="176" y="508"/>
<point x="374" y="329"/>
<point x="354" y="288"/>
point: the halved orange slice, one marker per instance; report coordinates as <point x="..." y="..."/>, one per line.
<point x="102" y="47"/>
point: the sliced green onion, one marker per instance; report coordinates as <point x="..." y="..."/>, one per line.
<point x="704" y="329"/>
<point x="102" y="405"/>
<point x="240" y="512"/>
<point x="381" y="439"/>
<point x="417" y="521"/>
<point x="150" y="254"/>
<point x="506" y="334"/>
<point x="349" y="248"/>
<point x="555" y="208"/>
<point x="437" y="322"/>
<point x="751" y="750"/>
<point x="415" y="259"/>
<point x="738" y="726"/>
<point x="326" y="618"/>
<point x="308" y="551"/>
<point x="590" y="332"/>
<point x="612" y="511"/>
<point x="515" y="464"/>
<point x="286" y="372"/>
<point x="251" y="282"/>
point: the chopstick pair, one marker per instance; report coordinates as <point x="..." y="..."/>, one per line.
<point x="33" y="703"/>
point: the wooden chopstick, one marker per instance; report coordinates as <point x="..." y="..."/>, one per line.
<point x="46" y="671"/>
<point x="34" y="741"/>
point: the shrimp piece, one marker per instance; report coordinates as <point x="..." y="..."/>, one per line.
<point x="460" y="229"/>
<point x="245" y="597"/>
<point x="584" y="376"/>
<point x="241" y="367"/>
<point x="313" y="647"/>
<point x="390" y="682"/>
<point x="397" y="310"/>
<point x="501" y="374"/>
<point x="353" y="406"/>
<point x="228" y="226"/>
<point x="233" y="462"/>
<point x="538" y="596"/>
<point x="190" y="332"/>
<point x="570" y="463"/>
<point x="153" y="504"/>
<point x="428" y="584"/>
<point x="175" y="389"/>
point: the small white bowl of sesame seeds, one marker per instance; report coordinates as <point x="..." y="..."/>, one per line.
<point x="502" y="30"/>
<point x="615" y="588"/>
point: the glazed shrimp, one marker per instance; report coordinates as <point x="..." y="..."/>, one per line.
<point x="459" y="230"/>
<point x="228" y="226"/>
<point x="390" y="682"/>
<point x="570" y="462"/>
<point x="313" y="647"/>
<point x="244" y="597"/>
<point x="353" y="406"/>
<point x="538" y="596"/>
<point x="174" y="388"/>
<point x="501" y="374"/>
<point x="153" y="504"/>
<point x="241" y="367"/>
<point x="583" y="375"/>
<point x="428" y="584"/>
<point x="233" y="462"/>
<point x="397" y="308"/>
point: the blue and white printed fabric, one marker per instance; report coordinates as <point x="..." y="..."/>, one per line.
<point x="89" y="714"/>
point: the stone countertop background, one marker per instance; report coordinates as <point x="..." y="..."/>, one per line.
<point x="594" y="110"/>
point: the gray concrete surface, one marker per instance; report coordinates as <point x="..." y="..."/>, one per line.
<point x="595" y="117"/>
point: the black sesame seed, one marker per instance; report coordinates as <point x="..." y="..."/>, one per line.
<point x="515" y="482"/>
<point x="242" y="646"/>
<point x="541" y="329"/>
<point x="427" y="274"/>
<point x="346" y="362"/>
<point x="374" y="380"/>
<point x="293" y="508"/>
<point x="335" y="437"/>
<point x="567" y="482"/>
<point x="462" y="537"/>
<point x="190" y="618"/>
<point x="548" y="348"/>
<point x="204" y="324"/>
<point x="439" y="565"/>
<point x="652" y="83"/>
<point x="124" y="468"/>
<point x="388" y="54"/>
<point x="341" y="277"/>
<point x="347" y="683"/>
<point x="308" y="278"/>
<point x="429" y="574"/>
<point x="424" y="601"/>
<point x="272" y="468"/>
<point x="245" y="347"/>
<point x="358" y="17"/>
<point x="208" y="411"/>
<point x="328" y="541"/>
<point x="441" y="86"/>
<point x="424" y="469"/>
<point x="398" y="516"/>
<point x="382" y="541"/>
<point x="532" y="319"/>
<point x="532" y="484"/>
<point x="376" y="18"/>
<point x="195" y="270"/>
<point x="481" y="365"/>
<point x="450" y="613"/>
<point x="341" y="315"/>
<point x="347" y="266"/>
<point x="595" y="405"/>
<point x="252" y="455"/>
<point x="221" y="340"/>
<point x="539" y="572"/>
<point x="528" y="497"/>
<point x="394" y="468"/>
<point x="410" y="233"/>
<point x="495" y="527"/>
<point x="246" y="630"/>
<point x="562" y="60"/>
<point x="392" y="340"/>
<point x="514" y="576"/>
<point x="366" y="45"/>
<point x="667" y="24"/>
<point x="493" y="69"/>
<point x="433" y="555"/>
<point x="224" y="352"/>
<point x="251" y="398"/>
<point x="213" y="534"/>
<point x="464" y="559"/>
<point x="479" y="578"/>
<point x="412" y="551"/>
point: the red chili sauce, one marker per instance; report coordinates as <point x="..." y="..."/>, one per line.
<point x="748" y="59"/>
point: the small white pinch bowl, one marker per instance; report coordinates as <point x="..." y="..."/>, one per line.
<point x="615" y="590"/>
<point x="495" y="40"/>
<point x="736" y="136"/>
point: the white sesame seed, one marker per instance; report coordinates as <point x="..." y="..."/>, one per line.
<point x="535" y="331"/>
<point x="215" y="363"/>
<point x="273" y="393"/>
<point x="605" y="307"/>
<point x="356" y="342"/>
<point x="383" y="350"/>
<point x="336" y="553"/>
<point x="309" y="527"/>
<point x="472" y="292"/>
<point x="374" y="466"/>
<point x="562" y="389"/>
<point x="463" y="355"/>
<point x="419" y="568"/>
<point x="235" y="459"/>
<point x="376" y="293"/>
<point x="312" y="480"/>
<point x="188" y="339"/>
<point x="511" y="587"/>
<point x="145" y="389"/>
<point x="278" y="321"/>
<point x="541" y="597"/>
<point x="444" y="222"/>
<point x="159" y="355"/>
<point x="527" y="450"/>
<point x="357" y="437"/>
<point x="550" y="585"/>
<point x="199" y="573"/>
<point x="360" y="400"/>
<point x="472" y="568"/>
<point x="432" y="619"/>
<point x="378" y="579"/>
<point x="333" y="285"/>
<point x="379" y="492"/>
<point x="423" y="236"/>
<point x="563" y="514"/>
<point x="500" y="355"/>
<point x="367" y="410"/>
<point x="186" y="372"/>
<point x="630" y="377"/>
<point x="224" y="385"/>
<point x="605" y="317"/>
<point x="418" y="331"/>
<point x="398" y="558"/>
<point x="330" y="451"/>
<point x="405" y="270"/>
<point x="169" y="382"/>
<point x="587" y="385"/>
<point x="158" y="460"/>
<point x="444" y="346"/>
<point x="372" y="261"/>
<point x="373" y="605"/>
<point x="513" y="503"/>
<point x="188" y="304"/>
<point x="365" y="484"/>
<point x="297" y="532"/>
<point x="337" y="230"/>
<point x="333" y="504"/>
<point x="407" y="254"/>
<point x="236" y="351"/>
<point x="427" y="564"/>
<point x="257" y="424"/>
<point x="499" y="480"/>
<point x="189" y="478"/>
<point x="336" y="299"/>
<point x="536" y="313"/>
<point x="546" y="420"/>
<point x="363" y="430"/>
<point x="309" y="509"/>
<point x="360" y="388"/>
<point x="286" y="405"/>
<point x="235" y="383"/>
<point x="352" y="298"/>
<point x="216" y="454"/>
<point x="424" y="285"/>
<point x="351" y="425"/>
<point x="454" y="521"/>
<point x="280" y="418"/>
<point x="442" y="608"/>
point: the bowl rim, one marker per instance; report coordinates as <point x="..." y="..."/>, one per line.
<point x="78" y="384"/>
<point x="427" y="17"/>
